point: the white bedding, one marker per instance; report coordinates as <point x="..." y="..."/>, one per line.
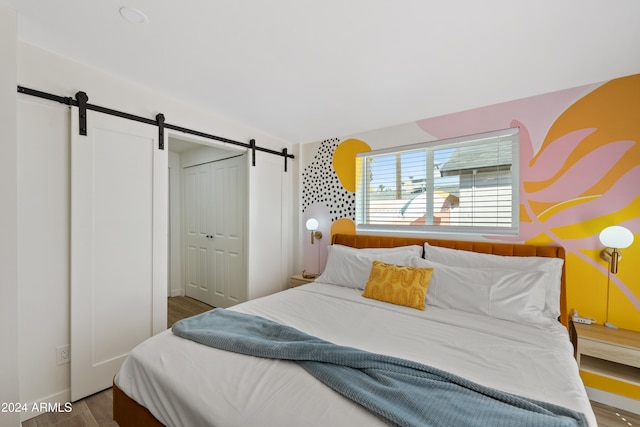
<point x="184" y="383"/>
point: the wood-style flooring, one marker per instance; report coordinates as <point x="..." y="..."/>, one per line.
<point x="609" y="416"/>
<point x="97" y="410"/>
<point x="183" y="307"/>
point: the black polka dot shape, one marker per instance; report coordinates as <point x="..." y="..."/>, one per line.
<point x="320" y="184"/>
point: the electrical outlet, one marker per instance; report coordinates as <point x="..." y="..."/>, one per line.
<point x="583" y="320"/>
<point x="63" y="354"/>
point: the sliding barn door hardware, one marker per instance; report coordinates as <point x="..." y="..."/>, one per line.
<point x="285" y="155"/>
<point x="160" y="124"/>
<point x="252" y="146"/>
<point x="67" y="100"/>
<point x="81" y="99"/>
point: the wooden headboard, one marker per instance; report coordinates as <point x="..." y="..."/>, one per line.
<point x="506" y="249"/>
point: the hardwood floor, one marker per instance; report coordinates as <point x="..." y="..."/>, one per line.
<point x="183" y="307"/>
<point x="97" y="410"/>
<point x="92" y="411"/>
<point x="609" y="416"/>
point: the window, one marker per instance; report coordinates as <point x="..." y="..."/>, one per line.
<point x="467" y="185"/>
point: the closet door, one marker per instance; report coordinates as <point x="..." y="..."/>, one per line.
<point x="118" y="246"/>
<point x="215" y="205"/>
<point x="229" y="207"/>
<point x="198" y="223"/>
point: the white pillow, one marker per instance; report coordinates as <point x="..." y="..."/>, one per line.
<point x="513" y="295"/>
<point x="457" y="287"/>
<point x="412" y="249"/>
<point x="518" y="295"/>
<point x="552" y="267"/>
<point x="347" y="266"/>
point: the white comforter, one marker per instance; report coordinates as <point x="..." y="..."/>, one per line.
<point x="184" y="383"/>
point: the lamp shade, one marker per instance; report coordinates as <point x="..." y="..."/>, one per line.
<point x="312" y="224"/>
<point x="616" y="237"/>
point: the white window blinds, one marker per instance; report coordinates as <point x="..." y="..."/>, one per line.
<point x="467" y="184"/>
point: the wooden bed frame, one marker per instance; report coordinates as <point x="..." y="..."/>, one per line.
<point x="128" y="413"/>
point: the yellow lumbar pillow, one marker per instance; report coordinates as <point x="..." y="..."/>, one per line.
<point x="401" y="285"/>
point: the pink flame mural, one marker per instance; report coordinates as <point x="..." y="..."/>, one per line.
<point x="580" y="172"/>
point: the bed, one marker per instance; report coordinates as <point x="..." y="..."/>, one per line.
<point x="169" y="380"/>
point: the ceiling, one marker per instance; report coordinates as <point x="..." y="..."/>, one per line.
<point x="305" y="70"/>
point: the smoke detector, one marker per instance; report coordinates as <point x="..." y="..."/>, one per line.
<point x="133" y="16"/>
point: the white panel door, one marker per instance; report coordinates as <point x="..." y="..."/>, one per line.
<point x="118" y="246"/>
<point x="215" y="204"/>
<point x="229" y="206"/>
<point x="197" y="224"/>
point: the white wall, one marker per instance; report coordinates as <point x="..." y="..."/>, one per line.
<point x="206" y="154"/>
<point x="43" y="247"/>
<point x="42" y="169"/>
<point x="298" y="232"/>
<point x="175" y="229"/>
<point x="9" y="383"/>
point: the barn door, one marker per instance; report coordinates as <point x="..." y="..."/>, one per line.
<point x="118" y="245"/>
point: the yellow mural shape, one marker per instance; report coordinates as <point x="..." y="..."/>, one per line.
<point x="610" y="114"/>
<point x="612" y="111"/>
<point x="344" y="158"/>
<point x="343" y="226"/>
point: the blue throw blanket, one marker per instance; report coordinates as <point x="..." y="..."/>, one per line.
<point x="400" y="392"/>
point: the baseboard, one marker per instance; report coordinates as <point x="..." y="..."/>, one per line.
<point x="58" y="402"/>
<point x="615" y="400"/>
<point x="177" y="292"/>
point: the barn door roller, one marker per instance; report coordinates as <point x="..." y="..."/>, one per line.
<point x="81" y="99"/>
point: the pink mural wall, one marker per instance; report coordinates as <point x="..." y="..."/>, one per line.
<point x="580" y="172"/>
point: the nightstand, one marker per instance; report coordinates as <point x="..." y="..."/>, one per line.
<point x="609" y="353"/>
<point x="298" y="280"/>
